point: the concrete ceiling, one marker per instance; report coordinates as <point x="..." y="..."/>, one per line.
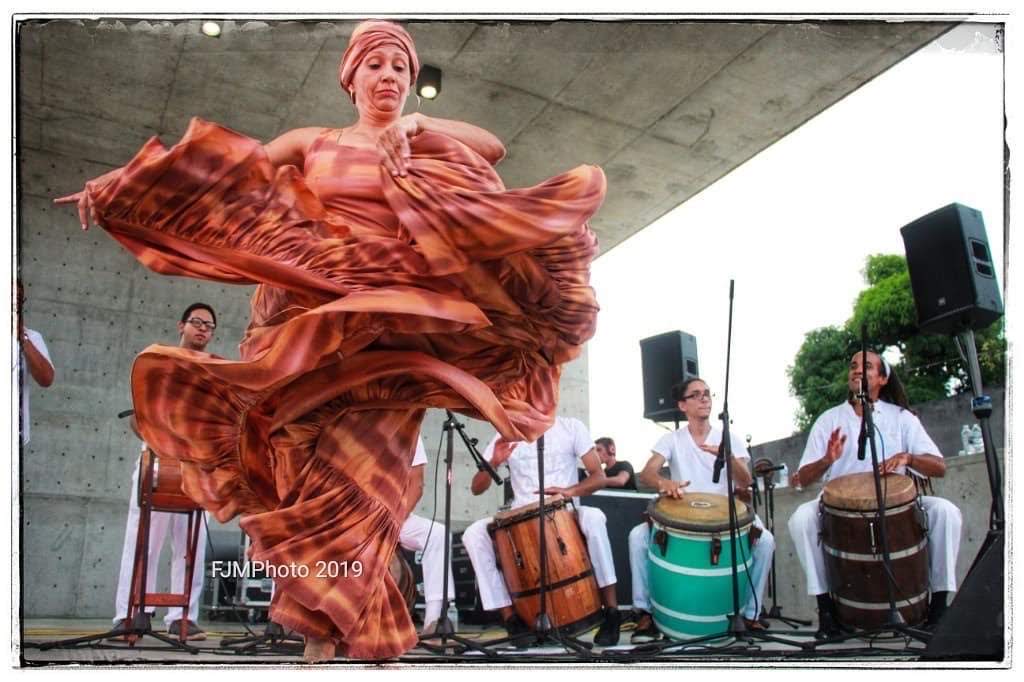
<point x="665" y="108"/>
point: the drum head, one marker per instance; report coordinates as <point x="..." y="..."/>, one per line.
<point x="703" y="512"/>
<point x="513" y="516"/>
<point x="856" y="492"/>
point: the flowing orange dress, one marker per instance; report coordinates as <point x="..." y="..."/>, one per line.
<point x="378" y="297"/>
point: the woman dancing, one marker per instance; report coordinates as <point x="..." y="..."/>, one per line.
<point x="395" y="273"/>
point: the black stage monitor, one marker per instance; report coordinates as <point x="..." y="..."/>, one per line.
<point x="666" y="360"/>
<point x="951" y="271"/>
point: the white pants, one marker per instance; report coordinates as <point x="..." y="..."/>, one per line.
<point x="414" y="536"/>
<point x="494" y="592"/>
<point x="760" y="565"/>
<point x="944" y="523"/>
<point x="158" y="524"/>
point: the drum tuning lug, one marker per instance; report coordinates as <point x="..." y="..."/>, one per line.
<point x="562" y="547"/>
<point x="716" y="550"/>
<point x="519" y="560"/>
<point x="661" y="540"/>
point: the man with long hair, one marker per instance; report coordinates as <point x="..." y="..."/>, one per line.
<point x="902" y="445"/>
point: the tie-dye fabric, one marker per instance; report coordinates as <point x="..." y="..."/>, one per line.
<point x="377" y="297"/>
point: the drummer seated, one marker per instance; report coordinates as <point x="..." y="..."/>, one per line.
<point x="902" y="445"/>
<point x="690" y="453"/>
<point x="565" y="443"/>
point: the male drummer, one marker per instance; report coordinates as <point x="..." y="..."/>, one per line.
<point x="195" y="328"/>
<point x="690" y="453"/>
<point x="564" y="443"/>
<point x="423" y="535"/>
<point x="902" y="445"/>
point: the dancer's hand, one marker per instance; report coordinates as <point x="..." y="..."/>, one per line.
<point x="85" y="208"/>
<point x="393" y="144"/>
<point x="710" y="449"/>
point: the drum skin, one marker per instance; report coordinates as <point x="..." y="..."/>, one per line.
<point x="167" y="495"/>
<point x="689" y="563"/>
<point x="851" y="542"/>
<point x="573" y="599"/>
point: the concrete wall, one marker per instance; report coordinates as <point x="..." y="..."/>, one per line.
<point x="942" y="419"/>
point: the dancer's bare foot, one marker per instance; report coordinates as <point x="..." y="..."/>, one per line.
<point x="318" y="650"/>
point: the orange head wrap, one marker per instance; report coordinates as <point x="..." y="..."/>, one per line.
<point x="367" y="37"/>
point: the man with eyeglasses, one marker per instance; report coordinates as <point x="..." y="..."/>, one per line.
<point x="690" y="453"/>
<point x="196" y="328"/>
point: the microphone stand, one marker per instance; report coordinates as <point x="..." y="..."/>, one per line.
<point x="737" y="628"/>
<point x="895" y="622"/>
<point x="444" y="630"/>
<point x="768" y="483"/>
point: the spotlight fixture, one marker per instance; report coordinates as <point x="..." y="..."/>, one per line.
<point x="428" y="85"/>
<point x="211" y="28"/>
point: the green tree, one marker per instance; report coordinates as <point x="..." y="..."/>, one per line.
<point x="930" y="365"/>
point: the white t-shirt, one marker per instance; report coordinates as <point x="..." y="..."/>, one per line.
<point x="564" y="444"/>
<point x="687" y="462"/>
<point x="421" y="453"/>
<point x="896" y="430"/>
<point x="22" y="369"/>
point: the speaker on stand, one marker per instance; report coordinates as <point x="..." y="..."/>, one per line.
<point x="956" y="292"/>
<point x="666" y="359"/>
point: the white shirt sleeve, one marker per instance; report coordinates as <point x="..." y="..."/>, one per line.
<point x="817" y="441"/>
<point x="581" y="440"/>
<point x="489" y="450"/>
<point x="421" y="453"/>
<point x="36" y="339"/>
<point x="739" y="447"/>
<point x="666" y="447"/>
<point x="915" y="439"/>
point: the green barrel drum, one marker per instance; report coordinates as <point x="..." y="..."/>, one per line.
<point x="689" y="563"/>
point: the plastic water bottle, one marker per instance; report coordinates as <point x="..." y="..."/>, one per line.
<point x="453" y="615"/>
<point x="965" y="439"/>
<point x="783" y="477"/>
<point x="977" y="441"/>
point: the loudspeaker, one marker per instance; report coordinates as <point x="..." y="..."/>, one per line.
<point x="666" y="360"/>
<point x="972" y="627"/>
<point x="951" y="271"/>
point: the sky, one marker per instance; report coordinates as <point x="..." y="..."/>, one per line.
<point x="793" y="227"/>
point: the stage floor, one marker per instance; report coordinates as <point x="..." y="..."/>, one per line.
<point x="786" y="646"/>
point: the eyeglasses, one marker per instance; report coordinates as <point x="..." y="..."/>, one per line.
<point x="697" y="395"/>
<point x="202" y="324"/>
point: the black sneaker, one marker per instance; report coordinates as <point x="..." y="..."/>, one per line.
<point x="192" y="634"/>
<point x="608" y="633"/>
<point x="828" y="626"/>
<point x="646" y="630"/>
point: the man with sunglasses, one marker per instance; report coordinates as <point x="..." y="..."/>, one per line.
<point x="195" y="328"/>
<point x="690" y="454"/>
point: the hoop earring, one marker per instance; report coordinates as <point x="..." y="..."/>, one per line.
<point x="418" y="102"/>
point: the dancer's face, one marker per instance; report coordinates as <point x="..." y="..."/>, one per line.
<point x="381" y="81"/>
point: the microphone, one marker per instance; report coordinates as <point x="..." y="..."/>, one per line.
<point x="720" y="458"/>
<point x="863" y="397"/>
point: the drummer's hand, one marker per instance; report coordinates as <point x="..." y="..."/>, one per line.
<point x="393" y="144"/>
<point x="555" y="490"/>
<point x="710" y="449"/>
<point x="502" y="451"/>
<point x="85" y="207"/>
<point x="891" y="464"/>
<point x="834" y="448"/>
<point x="673" y="489"/>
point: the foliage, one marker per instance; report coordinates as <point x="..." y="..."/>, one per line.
<point x="930" y="365"/>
